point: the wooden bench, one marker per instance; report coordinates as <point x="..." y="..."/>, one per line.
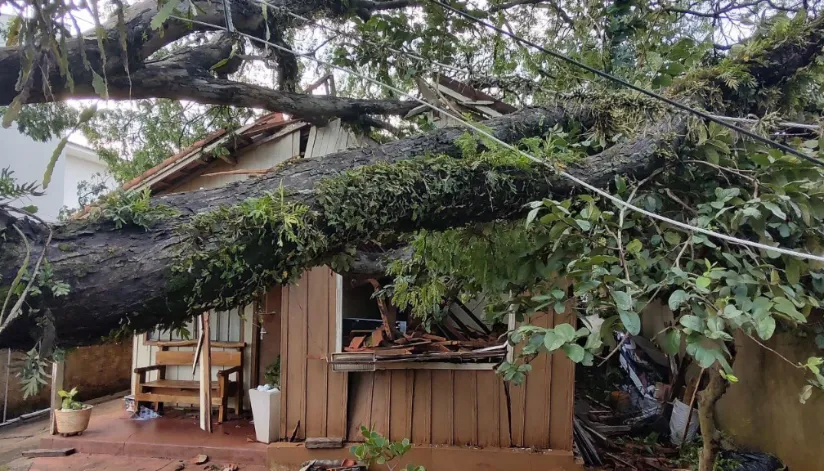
<point x="188" y="392"/>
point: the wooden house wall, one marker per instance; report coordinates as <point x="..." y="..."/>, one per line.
<point x="457" y="407"/>
<point x="313" y="399"/>
<point x="262" y="157"/>
<point x="468" y="407"/>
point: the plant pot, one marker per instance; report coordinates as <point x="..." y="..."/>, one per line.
<point x="266" y="412"/>
<point x="72" y="422"/>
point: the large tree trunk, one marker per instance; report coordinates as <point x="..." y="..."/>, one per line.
<point x="122" y="278"/>
<point x="187" y="74"/>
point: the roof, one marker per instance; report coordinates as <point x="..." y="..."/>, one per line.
<point x="194" y="158"/>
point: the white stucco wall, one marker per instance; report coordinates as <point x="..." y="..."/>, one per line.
<point x="81" y="165"/>
<point x="28" y="159"/>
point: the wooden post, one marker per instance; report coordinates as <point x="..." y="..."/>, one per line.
<point x="205" y="375"/>
<point x="58" y="369"/>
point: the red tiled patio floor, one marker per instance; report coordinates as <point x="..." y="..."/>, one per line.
<point x="112" y="432"/>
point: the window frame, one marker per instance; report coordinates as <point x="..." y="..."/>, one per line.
<point x="410" y="365"/>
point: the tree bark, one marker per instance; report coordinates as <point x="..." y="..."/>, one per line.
<point x="187" y="75"/>
<point x="707" y="399"/>
<point x="122" y="278"/>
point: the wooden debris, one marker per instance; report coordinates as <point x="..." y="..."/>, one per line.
<point x="230" y="467"/>
<point x="48" y="452"/>
<point x="323" y="442"/>
<point x="200" y="459"/>
<point x="295" y="432"/>
<point x="586" y="447"/>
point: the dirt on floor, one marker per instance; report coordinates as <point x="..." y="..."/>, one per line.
<point x="15" y="440"/>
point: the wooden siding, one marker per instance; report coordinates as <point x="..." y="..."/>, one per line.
<point x="262" y="157"/>
<point x="314" y="397"/>
<point x="468" y="408"/>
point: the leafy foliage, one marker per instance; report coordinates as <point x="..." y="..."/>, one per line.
<point x="32" y="373"/>
<point x="130" y="208"/>
<point x="377" y="449"/>
<point x="68" y="402"/>
<point x="618" y="264"/>
<point x="239" y="251"/>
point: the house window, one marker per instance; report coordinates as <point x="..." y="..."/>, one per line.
<point x="226" y="326"/>
<point x="364" y="343"/>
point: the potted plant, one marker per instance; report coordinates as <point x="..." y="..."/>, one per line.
<point x="73" y="417"/>
<point x="265" y="401"/>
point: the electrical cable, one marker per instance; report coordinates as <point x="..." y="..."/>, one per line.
<point x="617" y="201"/>
<point x="623" y="82"/>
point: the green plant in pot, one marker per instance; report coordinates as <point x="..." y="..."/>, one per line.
<point x="72" y="418"/>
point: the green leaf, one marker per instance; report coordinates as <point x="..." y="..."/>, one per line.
<point x="702" y="281"/>
<point x="13" y="110"/>
<point x="775" y="210"/>
<point x="531" y="216"/>
<point x="672" y="238"/>
<point x="575" y="352"/>
<point x="566" y="332"/>
<point x="583" y="224"/>
<point x="806" y="394"/>
<point x="623" y="301"/>
<point x="677" y="298"/>
<point x="765" y="327"/>
<point x="785" y="306"/>
<point x="671" y="341"/>
<point x="692" y="322"/>
<point x="635" y="246"/>
<point x="553" y="341"/>
<point x="631" y="321"/>
<point x="163" y="13"/>
<point x="47" y="175"/>
<point x="99" y="85"/>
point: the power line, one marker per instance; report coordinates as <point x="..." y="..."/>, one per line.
<point x="353" y="36"/>
<point x="594" y="189"/>
<point x="623" y="82"/>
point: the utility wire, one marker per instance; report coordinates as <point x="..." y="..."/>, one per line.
<point x="623" y="82"/>
<point x="355" y="37"/>
<point x="617" y="201"/>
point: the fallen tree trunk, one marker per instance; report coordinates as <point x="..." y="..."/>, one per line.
<point x="124" y="278"/>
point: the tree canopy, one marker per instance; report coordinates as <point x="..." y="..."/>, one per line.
<point x="479" y="219"/>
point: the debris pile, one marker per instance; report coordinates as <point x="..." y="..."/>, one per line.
<point x="460" y="337"/>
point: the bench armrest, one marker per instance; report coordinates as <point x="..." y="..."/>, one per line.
<point x="144" y="369"/>
<point x="234" y="369"/>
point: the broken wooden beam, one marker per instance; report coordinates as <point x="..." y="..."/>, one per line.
<point x="48" y="452"/>
<point x="323" y="442"/>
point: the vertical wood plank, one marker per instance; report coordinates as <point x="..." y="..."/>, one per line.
<point x="561" y="392"/>
<point x="442" y="407"/>
<point x="422" y="408"/>
<point x="206" y="375"/>
<point x="338" y="395"/>
<point x="537" y="393"/>
<point x="518" y="411"/>
<point x="360" y="405"/>
<point x="310" y="144"/>
<point x="489" y="406"/>
<point x="465" y="401"/>
<point x="317" y="324"/>
<point x="285" y="371"/>
<point x="296" y="356"/>
<point x="58" y="369"/>
<point x="399" y="405"/>
<point x="381" y="402"/>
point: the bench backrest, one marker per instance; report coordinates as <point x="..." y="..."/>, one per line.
<point x="229" y="359"/>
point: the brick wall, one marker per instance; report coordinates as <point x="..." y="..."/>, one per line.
<point x="96" y="371"/>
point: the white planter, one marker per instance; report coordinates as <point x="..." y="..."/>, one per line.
<point x="266" y="412"/>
